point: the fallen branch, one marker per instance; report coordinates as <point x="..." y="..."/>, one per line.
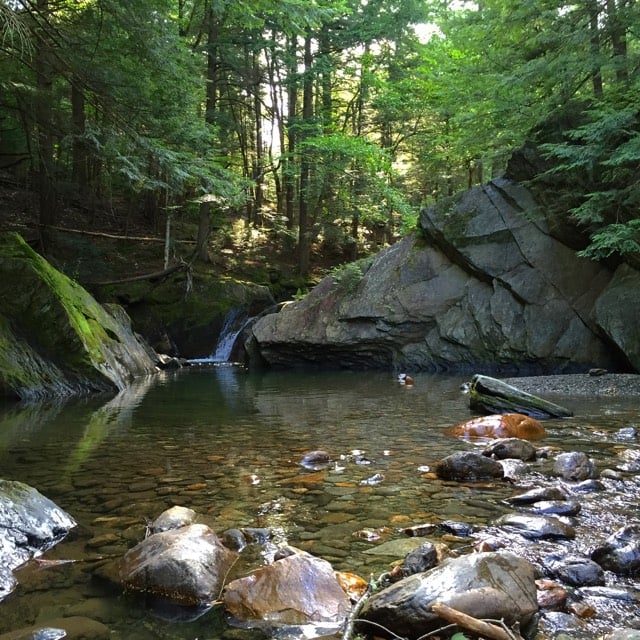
<point x="111" y="236"/>
<point x="480" y="627"/>
<point x="148" y="276"/>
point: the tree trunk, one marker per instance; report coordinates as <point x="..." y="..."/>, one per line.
<point x="304" y="240"/>
<point x="594" y="31"/>
<point x="258" y="164"/>
<point x="618" y="36"/>
<point x="80" y="159"/>
<point x="44" y="82"/>
<point x="288" y="166"/>
<point x="204" y="229"/>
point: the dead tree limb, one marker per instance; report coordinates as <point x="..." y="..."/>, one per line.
<point x="480" y="627"/>
<point x="147" y="276"/>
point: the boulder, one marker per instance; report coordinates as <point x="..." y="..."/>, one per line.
<point x="57" y="339"/>
<point x="509" y="425"/>
<point x="617" y="310"/>
<point x="621" y="551"/>
<point x="173" y="518"/>
<point x="186" y="566"/>
<point x="537" y="527"/>
<point x="30" y="524"/>
<point x="510" y="448"/>
<point x="295" y="590"/>
<point x="574" y="465"/>
<point x="494" y="585"/>
<point x="481" y="283"/>
<point x="468" y="466"/>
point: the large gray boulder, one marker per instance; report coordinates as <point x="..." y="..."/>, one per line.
<point x="497" y="586"/>
<point x="482" y="284"/>
<point x="30" y="524"/>
<point x="55" y="338"/>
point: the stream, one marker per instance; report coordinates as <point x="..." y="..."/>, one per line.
<point x="227" y="443"/>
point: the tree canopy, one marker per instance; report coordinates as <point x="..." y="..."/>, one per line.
<point x="326" y="123"/>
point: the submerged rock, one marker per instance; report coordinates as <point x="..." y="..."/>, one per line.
<point x="468" y="466"/>
<point x="494" y="585"/>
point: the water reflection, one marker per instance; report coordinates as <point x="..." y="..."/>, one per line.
<point x="228" y="442"/>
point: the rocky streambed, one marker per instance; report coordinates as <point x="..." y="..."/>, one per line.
<point x="566" y="504"/>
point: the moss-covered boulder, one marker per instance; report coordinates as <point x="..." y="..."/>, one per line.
<point x="55" y="338"/>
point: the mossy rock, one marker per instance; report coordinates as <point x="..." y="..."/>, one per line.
<point x="55" y="338"/>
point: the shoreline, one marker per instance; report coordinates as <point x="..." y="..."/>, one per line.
<point x="579" y="384"/>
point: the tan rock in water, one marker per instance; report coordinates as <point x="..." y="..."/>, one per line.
<point x="507" y="425"/>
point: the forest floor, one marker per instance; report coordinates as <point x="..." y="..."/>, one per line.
<point x="100" y="244"/>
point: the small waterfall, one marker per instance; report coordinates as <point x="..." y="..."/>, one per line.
<point x="235" y="321"/>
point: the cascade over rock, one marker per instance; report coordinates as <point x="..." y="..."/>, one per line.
<point x="482" y="284"/>
<point x="55" y="338"/>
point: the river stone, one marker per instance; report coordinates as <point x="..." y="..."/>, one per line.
<point x="421" y="559"/>
<point x="623" y="634"/>
<point x="69" y="628"/>
<point x="556" y="507"/>
<point x="30" y="523"/>
<point x="578" y="571"/>
<point x="173" y="518"/>
<point x="539" y="494"/>
<point x="510" y="448"/>
<point x="495" y="585"/>
<point x="468" y="466"/>
<point x="297" y="589"/>
<point x="508" y="425"/>
<point x="536" y="527"/>
<point x="397" y="548"/>
<point x="186" y="565"/>
<point x="574" y="465"/>
<point x="316" y="460"/>
<point x="621" y="551"/>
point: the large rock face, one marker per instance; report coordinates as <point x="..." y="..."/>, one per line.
<point x="484" y="285"/>
<point x="55" y="338"/>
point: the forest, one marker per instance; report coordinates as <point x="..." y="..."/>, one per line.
<point x="323" y="126"/>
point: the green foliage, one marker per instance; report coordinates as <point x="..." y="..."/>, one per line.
<point x="348" y="276"/>
<point x="622" y="239"/>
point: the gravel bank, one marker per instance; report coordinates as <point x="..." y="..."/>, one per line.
<point x="581" y="384"/>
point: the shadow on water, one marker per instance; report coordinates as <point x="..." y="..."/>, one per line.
<point x="228" y="442"/>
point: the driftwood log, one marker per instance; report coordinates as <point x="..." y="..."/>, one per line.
<point x="488" y="395"/>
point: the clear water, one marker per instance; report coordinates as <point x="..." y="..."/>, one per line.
<point x="228" y="443"/>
